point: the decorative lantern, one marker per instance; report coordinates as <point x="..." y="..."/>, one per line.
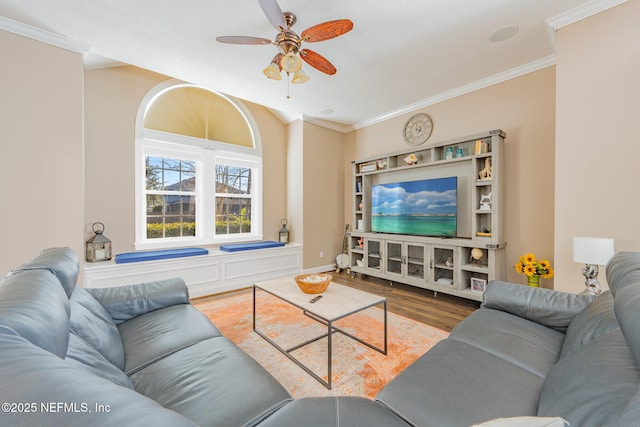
<point x="284" y="233"/>
<point x="98" y="248"/>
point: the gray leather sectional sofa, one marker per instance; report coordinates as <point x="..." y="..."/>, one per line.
<point x="142" y="355"/>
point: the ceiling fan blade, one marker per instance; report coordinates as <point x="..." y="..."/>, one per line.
<point x="274" y="14"/>
<point x="318" y="61"/>
<point x="242" y="40"/>
<point x="327" y="30"/>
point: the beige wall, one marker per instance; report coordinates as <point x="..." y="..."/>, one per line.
<point x="274" y="175"/>
<point x="295" y="179"/>
<point x="323" y="195"/>
<point x="597" y="130"/>
<point x="41" y="122"/>
<point x="524" y="108"/>
<point x="113" y="96"/>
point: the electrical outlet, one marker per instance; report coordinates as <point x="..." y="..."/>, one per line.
<point x="321" y="254"/>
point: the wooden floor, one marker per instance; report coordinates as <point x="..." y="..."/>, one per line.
<point x="442" y="311"/>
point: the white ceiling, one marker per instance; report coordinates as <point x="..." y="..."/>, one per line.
<point x="400" y="55"/>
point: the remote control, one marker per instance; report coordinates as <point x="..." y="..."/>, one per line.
<point x="315" y="299"/>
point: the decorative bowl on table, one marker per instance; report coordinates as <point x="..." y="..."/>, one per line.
<point x="313" y="283"/>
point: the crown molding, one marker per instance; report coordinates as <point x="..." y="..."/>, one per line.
<point x="579" y="13"/>
<point x="47" y="37"/>
<point x="284" y="117"/>
<point x="462" y="90"/>
<point x="338" y="127"/>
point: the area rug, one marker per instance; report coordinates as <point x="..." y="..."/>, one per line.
<point x="357" y="370"/>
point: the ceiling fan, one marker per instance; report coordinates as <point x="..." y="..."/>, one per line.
<point x="289" y="43"/>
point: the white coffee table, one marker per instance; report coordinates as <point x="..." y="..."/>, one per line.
<point x="337" y="302"/>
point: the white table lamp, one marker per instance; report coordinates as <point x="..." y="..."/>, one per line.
<point x="592" y="251"/>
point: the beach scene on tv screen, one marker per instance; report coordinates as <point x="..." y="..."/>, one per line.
<point x="425" y="207"/>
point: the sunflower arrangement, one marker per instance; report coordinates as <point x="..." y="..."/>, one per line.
<point x="530" y="266"/>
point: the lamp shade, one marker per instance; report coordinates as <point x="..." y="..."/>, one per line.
<point x="592" y="250"/>
<point x="272" y="72"/>
<point x="291" y="62"/>
<point x="299" y="77"/>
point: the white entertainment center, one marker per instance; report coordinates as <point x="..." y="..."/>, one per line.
<point x="441" y="264"/>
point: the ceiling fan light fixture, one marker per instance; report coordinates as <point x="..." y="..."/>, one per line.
<point x="272" y="72"/>
<point x="299" y="77"/>
<point x="291" y="62"/>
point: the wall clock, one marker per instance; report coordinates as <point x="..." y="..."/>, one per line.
<point x="417" y="129"/>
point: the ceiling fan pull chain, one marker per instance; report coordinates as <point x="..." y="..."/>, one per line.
<point x="288" y="97"/>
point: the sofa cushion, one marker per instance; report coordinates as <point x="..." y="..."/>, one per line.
<point x="213" y="383"/>
<point x="83" y="356"/>
<point x="334" y="412"/>
<point x="155" y="335"/>
<point x="630" y="415"/>
<point x="62" y="262"/>
<point x="596" y="319"/>
<point x="91" y="322"/>
<point x="619" y="267"/>
<point x="525" y="422"/>
<point x="550" y="308"/>
<point x="129" y="301"/>
<point x="454" y="375"/>
<point x="70" y="396"/>
<point x="34" y="305"/>
<point x="529" y="345"/>
<point x="627" y="310"/>
<point x="592" y="386"/>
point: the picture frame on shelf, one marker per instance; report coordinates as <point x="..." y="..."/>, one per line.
<point x="368" y="167"/>
<point x="478" y="285"/>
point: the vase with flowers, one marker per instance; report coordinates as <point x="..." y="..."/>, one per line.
<point x="533" y="268"/>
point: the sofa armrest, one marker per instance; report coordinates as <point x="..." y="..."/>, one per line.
<point x="554" y="309"/>
<point x="126" y="302"/>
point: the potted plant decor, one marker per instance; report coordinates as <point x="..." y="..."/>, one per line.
<point x="533" y="268"/>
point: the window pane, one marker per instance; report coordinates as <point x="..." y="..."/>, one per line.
<point x="233" y="215"/>
<point x="153" y="166"/>
<point x="170" y="174"/>
<point x="233" y="180"/>
<point x="170" y="216"/>
<point x="188" y="176"/>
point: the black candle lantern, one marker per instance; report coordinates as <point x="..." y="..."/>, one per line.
<point x="284" y="233"/>
<point x="98" y="247"/>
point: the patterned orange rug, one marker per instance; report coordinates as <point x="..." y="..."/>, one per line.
<point x="357" y="370"/>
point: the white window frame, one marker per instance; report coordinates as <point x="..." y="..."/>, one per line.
<point x="206" y="154"/>
<point x="255" y="164"/>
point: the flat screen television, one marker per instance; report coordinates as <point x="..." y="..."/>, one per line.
<point x="427" y="207"/>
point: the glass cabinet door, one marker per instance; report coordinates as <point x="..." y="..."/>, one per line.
<point x="372" y="248"/>
<point x="394" y="257"/>
<point x="415" y="260"/>
<point x="443" y="266"/>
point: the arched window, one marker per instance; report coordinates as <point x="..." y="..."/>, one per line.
<point x="198" y="169"/>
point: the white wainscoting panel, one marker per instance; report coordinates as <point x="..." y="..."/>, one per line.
<point x="204" y="274"/>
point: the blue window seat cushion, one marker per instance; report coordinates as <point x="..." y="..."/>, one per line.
<point x="156" y="255"/>
<point x="236" y="247"/>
